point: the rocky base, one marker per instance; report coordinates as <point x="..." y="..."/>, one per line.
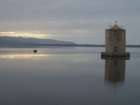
<point x="105" y="55"/>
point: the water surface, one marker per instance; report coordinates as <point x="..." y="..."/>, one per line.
<point x="68" y="76"/>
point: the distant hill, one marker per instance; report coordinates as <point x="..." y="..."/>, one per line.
<point x="34" y="42"/>
<point x="30" y="42"/>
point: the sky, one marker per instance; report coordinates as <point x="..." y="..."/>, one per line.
<point x="80" y="21"/>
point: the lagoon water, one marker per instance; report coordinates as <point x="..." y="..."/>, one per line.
<point x="68" y="76"/>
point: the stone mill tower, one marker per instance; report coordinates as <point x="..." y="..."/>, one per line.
<point x="115" y="42"/>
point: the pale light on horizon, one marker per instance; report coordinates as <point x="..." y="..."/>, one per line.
<point x="24" y="34"/>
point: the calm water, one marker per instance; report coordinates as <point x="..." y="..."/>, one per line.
<point x="68" y="76"/>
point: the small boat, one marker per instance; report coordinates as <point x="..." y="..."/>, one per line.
<point x="35" y="51"/>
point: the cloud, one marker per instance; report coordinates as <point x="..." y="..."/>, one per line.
<point x="76" y="20"/>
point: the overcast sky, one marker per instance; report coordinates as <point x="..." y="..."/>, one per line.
<point x="81" y="21"/>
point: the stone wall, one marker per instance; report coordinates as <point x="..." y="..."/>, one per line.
<point x="115" y="41"/>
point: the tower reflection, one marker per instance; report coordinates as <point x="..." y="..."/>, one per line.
<point x="115" y="70"/>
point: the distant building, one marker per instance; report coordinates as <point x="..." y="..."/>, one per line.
<point x="115" y="42"/>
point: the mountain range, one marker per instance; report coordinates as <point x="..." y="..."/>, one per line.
<point x="31" y="42"/>
<point x="6" y="41"/>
